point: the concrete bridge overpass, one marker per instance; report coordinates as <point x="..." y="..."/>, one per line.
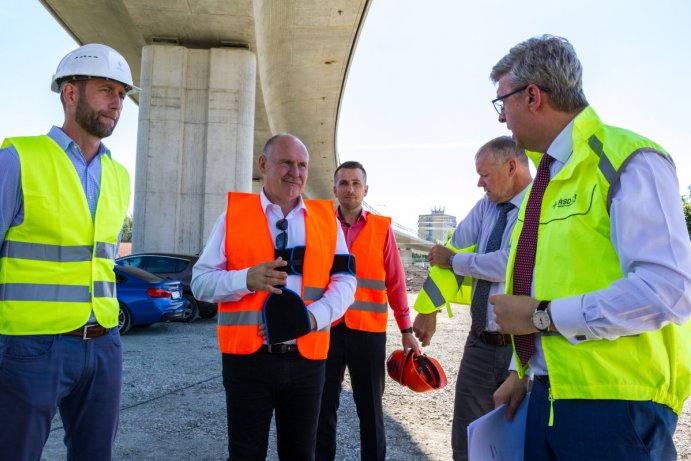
<point x="218" y="79"/>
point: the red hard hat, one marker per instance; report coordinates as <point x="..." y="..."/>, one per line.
<point x="395" y="364"/>
<point x="423" y="373"/>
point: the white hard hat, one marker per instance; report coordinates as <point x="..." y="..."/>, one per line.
<point x="94" y="61"/>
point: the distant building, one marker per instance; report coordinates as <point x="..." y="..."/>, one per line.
<point x="435" y="227"/>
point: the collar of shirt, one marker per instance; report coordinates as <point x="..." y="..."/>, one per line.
<point x="562" y="146"/>
<point x="273" y="210"/>
<point x="296" y="223"/>
<point x="72" y="148"/>
<point x="361" y="219"/>
<point x="517" y="199"/>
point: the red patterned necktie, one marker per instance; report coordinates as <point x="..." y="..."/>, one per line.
<point x="525" y="251"/>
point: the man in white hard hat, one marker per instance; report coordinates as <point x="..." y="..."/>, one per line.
<point x="63" y="200"/>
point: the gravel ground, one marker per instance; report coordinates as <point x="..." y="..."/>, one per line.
<point x="173" y="405"/>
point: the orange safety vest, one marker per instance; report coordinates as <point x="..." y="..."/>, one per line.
<point x="248" y="242"/>
<point x="370" y="311"/>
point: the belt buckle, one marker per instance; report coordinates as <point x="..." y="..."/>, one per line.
<point x="85" y="334"/>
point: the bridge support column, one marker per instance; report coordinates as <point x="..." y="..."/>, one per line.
<point x="195" y="141"/>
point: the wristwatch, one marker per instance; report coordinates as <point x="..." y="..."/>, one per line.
<point x="541" y="318"/>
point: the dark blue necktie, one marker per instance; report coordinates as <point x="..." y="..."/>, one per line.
<point x="478" y="306"/>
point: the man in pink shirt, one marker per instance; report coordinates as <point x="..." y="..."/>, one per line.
<point x="358" y="339"/>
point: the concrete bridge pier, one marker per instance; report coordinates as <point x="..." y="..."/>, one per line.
<point x="194" y="144"/>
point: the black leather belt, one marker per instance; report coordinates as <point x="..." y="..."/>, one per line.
<point x="544" y="379"/>
<point x="88" y="331"/>
<point x="493" y="339"/>
<point x="279" y="348"/>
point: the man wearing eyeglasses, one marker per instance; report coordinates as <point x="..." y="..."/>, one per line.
<point x="275" y="250"/>
<point x="598" y="275"/>
<point x="358" y="339"/>
<point x="504" y="175"/>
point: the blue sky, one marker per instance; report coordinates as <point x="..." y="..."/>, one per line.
<point x="417" y="100"/>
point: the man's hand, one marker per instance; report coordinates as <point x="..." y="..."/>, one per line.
<point x="514" y="314"/>
<point x="439" y="256"/>
<point x="263" y="277"/>
<point x="424" y="327"/>
<point x="511" y="392"/>
<point x="409" y="342"/>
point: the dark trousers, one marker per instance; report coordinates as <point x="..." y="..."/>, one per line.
<point x="364" y="355"/>
<point x="259" y="384"/>
<point x="598" y="430"/>
<point x="41" y="373"/>
<point x="483" y="368"/>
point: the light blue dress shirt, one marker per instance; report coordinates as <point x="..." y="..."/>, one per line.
<point x="476" y="228"/>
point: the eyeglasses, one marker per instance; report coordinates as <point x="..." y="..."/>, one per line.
<point x="282" y="238"/>
<point x="499" y="102"/>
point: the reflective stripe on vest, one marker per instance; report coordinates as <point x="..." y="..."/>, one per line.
<point x="443" y="286"/>
<point x="56" y="253"/>
<point x="370" y="310"/>
<point x="56" y="267"/>
<point x="575" y="210"/>
<point x="249" y="242"/>
<point x="255" y="317"/>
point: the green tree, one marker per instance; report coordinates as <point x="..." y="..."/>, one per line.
<point x="127" y="229"/>
<point x="686" y="200"/>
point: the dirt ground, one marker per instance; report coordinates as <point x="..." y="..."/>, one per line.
<point x="173" y="401"/>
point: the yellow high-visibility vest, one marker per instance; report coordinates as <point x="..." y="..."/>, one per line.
<point x="56" y="267"/>
<point x="575" y="256"/>
<point x="443" y="286"/>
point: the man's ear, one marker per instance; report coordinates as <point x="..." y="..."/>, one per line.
<point x="535" y="97"/>
<point x="366" y="189"/>
<point x="512" y="166"/>
<point x="70" y="94"/>
<point x="262" y="163"/>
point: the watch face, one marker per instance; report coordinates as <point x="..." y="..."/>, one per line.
<point x="541" y="320"/>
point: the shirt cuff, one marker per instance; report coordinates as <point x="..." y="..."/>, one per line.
<point x="512" y="364"/>
<point x="238" y="284"/>
<point x="404" y="322"/>
<point x="567" y="316"/>
<point x="320" y="316"/>
<point x="461" y="264"/>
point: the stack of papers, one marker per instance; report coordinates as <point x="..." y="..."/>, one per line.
<point x="492" y="438"/>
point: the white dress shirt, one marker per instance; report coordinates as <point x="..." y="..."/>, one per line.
<point x="211" y="281"/>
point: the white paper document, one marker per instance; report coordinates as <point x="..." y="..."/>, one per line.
<point x="492" y="438"/>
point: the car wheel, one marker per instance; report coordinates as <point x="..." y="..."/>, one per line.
<point x="124" y="319"/>
<point x="209" y="312"/>
<point x="191" y="310"/>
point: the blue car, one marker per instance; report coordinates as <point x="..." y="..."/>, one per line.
<point x="146" y="298"/>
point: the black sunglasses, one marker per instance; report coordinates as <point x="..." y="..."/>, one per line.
<point x="282" y="238"/>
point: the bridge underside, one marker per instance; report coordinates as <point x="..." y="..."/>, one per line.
<point x="280" y="64"/>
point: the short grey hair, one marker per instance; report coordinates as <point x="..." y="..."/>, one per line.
<point x="503" y="149"/>
<point x="549" y="62"/>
